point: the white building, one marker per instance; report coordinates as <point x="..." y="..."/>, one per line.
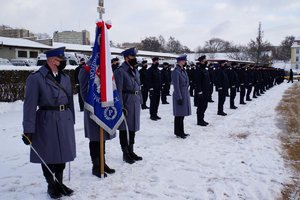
<point x="295" y="56"/>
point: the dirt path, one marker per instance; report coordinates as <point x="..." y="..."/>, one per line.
<point x="289" y="122"/>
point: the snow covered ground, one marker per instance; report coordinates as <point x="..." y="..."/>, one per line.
<point x="235" y="157"/>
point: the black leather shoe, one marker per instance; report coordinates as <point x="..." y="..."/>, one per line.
<point x="222" y="113"/>
<point x="233" y="107"/>
<point x="108" y="170"/>
<point x="248" y="99"/>
<point x="153" y="118"/>
<point x="243" y="103"/>
<point x="202" y="123"/>
<point x="181" y="136"/>
<point x="157" y="117"/>
<point x="53" y="191"/>
<point x="96" y="171"/>
<point x="211" y="101"/>
<point x="165" y="102"/>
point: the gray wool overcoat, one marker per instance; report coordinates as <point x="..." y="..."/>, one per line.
<point x="53" y="134"/>
<point x="180" y="81"/>
<point x="128" y="82"/>
<point x="91" y="128"/>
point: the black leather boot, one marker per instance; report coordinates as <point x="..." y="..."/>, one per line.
<point x="107" y="169"/>
<point x="62" y="188"/>
<point x="133" y="155"/>
<point x="96" y="168"/>
<point x="53" y="191"/>
<point x="126" y="156"/>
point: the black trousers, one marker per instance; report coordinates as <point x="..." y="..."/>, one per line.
<point x="154" y="102"/>
<point x="291" y="80"/>
<point x="80" y="100"/>
<point x="256" y="90"/>
<point x="221" y="100"/>
<point x="242" y="93"/>
<point x="178" y="125"/>
<point x="249" y="90"/>
<point x="232" y="96"/>
<point x="201" y="108"/>
<point x="94" y="147"/>
<point x="164" y="93"/>
<point x="55" y="168"/>
<point x="145" y="92"/>
<point x="123" y="138"/>
<point x="192" y="88"/>
<point x="211" y="90"/>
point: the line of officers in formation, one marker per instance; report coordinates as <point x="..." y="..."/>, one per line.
<point x="49" y="117"/>
<point x="226" y="77"/>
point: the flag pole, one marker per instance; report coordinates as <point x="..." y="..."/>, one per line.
<point x="101" y="11"/>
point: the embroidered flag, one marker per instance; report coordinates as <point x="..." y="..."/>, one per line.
<point x="103" y="100"/>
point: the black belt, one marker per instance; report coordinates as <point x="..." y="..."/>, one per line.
<point x="60" y="107"/>
<point x="131" y="92"/>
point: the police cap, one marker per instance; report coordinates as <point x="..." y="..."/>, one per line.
<point x="58" y="52"/>
<point x="181" y="57"/>
<point x="201" y="58"/>
<point x="155" y="58"/>
<point x="130" y="52"/>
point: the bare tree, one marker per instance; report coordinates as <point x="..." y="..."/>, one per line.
<point x="259" y="49"/>
<point x="239" y="53"/>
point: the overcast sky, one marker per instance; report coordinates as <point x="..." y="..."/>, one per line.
<point x="192" y="22"/>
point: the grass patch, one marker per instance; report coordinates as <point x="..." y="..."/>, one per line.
<point x="289" y="110"/>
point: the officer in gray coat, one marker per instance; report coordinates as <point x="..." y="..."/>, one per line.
<point x="128" y="85"/>
<point x="92" y="129"/>
<point x="48" y="120"/>
<point x="181" y="96"/>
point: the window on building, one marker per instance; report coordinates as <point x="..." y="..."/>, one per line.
<point x="297" y="59"/>
<point x="33" y="54"/>
<point x="297" y="51"/>
<point x="297" y="66"/>
<point x="22" y="54"/>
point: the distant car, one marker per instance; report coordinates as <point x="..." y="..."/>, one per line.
<point x="4" y="61"/>
<point x="71" y="60"/>
<point x="23" y="62"/>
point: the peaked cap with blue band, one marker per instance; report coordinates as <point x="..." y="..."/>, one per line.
<point x="181" y="57"/>
<point x="58" y="52"/>
<point x="130" y="52"/>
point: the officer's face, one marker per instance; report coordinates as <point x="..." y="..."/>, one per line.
<point x="54" y="61"/>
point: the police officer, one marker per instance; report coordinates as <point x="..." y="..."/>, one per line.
<point x="50" y="129"/>
<point x="165" y="83"/>
<point x="243" y="82"/>
<point x="91" y="128"/>
<point x="128" y="85"/>
<point x="181" y="96"/>
<point x="211" y="70"/>
<point x="222" y="85"/>
<point x="115" y="63"/>
<point x="233" y="83"/>
<point x="144" y="86"/>
<point x="154" y="82"/>
<point x="202" y="84"/>
<point x="250" y="75"/>
<point x="291" y="77"/>
<point x="77" y="70"/>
